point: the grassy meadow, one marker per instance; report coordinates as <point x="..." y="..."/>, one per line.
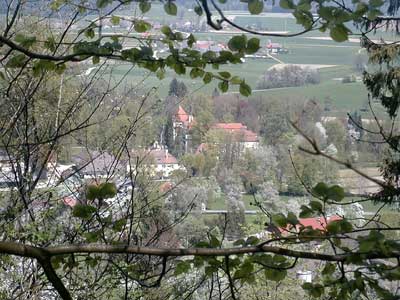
<point x="312" y="48"/>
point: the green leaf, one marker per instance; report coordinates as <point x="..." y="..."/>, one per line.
<point x="202" y="244"/>
<point x="304" y="18"/>
<point x="252" y="240"/>
<point x="376" y="3"/>
<point x="320" y="190"/>
<point x="92" y="237"/>
<point x="107" y="190"/>
<point x="191" y="40"/>
<point x="287" y="4"/>
<point x="335" y="193"/>
<point x="115" y="20"/>
<point x="89" y="33"/>
<point x="92" y="192"/>
<point x="83" y="211"/>
<point x="142" y="26"/>
<point x="255" y="6"/>
<point x="198" y="261"/>
<point x="50" y="44"/>
<point x="224" y="74"/>
<point x="279" y="259"/>
<point x="95" y="60"/>
<point x="345" y="226"/>
<point x="292" y="219"/>
<point x="339" y="33"/>
<point x="60" y="68"/>
<point x="102" y="3"/>
<point x="170" y="8"/>
<point x="373" y="14"/>
<point x="55" y="5"/>
<point x="223" y="86"/>
<point x="239" y="242"/>
<point x="166" y="30"/>
<point x="41" y="66"/>
<point x="237" y="43"/>
<point x="196" y="72"/>
<point x="207" y="77"/>
<point x="180" y="68"/>
<point x="119" y="225"/>
<point x="244" y="270"/>
<point x="305" y="212"/>
<point x="144" y="6"/>
<point x="304" y="5"/>
<point x="56" y="261"/>
<point x="333" y="227"/>
<point x="182" y="267"/>
<point x="236" y="80"/>
<point x="279" y="220"/>
<point x="315" y="290"/>
<point x="275" y="275"/>
<point x="339" y="226"/>
<point x="244" y="89"/>
<point x="214" y="242"/>
<point x="198" y="10"/>
<point x="316" y="205"/>
<point x="253" y="45"/>
<point x="160" y="74"/>
<point x="25" y="41"/>
<point x="329" y="269"/>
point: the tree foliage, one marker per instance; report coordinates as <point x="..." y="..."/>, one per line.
<point x="120" y="241"/>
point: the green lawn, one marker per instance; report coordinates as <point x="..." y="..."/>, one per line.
<point x="302" y="50"/>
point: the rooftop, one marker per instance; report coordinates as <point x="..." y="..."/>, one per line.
<point x="244" y="134"/>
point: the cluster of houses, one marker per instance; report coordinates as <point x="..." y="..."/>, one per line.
<point x="236" y="132"/>
<point x="159" y="162"/>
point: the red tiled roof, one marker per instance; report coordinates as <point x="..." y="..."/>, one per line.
<point x="157" y="156"/>
<point x="245" y="135"/>
<point x="166" y="187"/>
<point x="201" y="148"/>
<point x="231" y="126"/>
<point x="274" y="45"/>
<point x="161" y="156"/>
<point x="70" y="201"/>
<point x="250" y="136"/>
<point x="182" y="115"/>
<point x="318" y="223"/>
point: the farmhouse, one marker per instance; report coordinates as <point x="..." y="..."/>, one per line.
<point x="317" y="223"/>
<point x="95" y="164"/>
<point x="182" y="122"/>
<point x="239" y="133"/>
<point x="156" y="160"/>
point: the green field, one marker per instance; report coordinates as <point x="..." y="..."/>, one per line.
<point x="305" y="49"/>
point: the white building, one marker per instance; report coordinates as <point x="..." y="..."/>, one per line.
<point x="157" y="161"/>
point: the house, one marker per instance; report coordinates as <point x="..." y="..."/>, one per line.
<point x="7" y="175"/>
<point x="96" y="164"/>
<point x="204" y="46"/>
<point x="182" y="119"/>
<point x="240" y="134"/>
<point x="235" y="133"/>
<point x="9" y="165"/>
<point x="156" y="160"/>
<point x="275" y="48"/>
<point x="182" y="122"/>
<point x="317" y="223"/>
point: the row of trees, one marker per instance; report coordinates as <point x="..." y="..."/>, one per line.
<point x="288" y="76"/>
